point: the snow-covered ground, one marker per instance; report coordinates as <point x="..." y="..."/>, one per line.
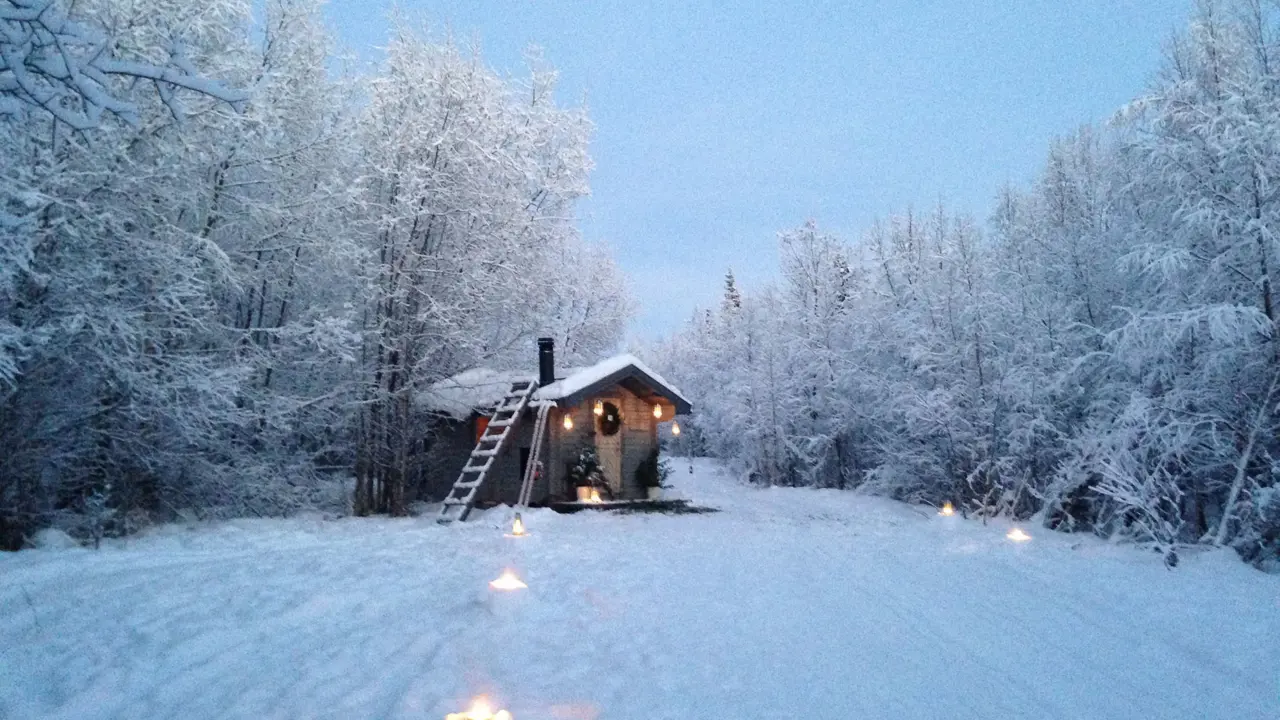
<point x="789" y="603"/>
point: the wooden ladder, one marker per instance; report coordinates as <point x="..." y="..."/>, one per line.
<point x="535" y="455"/>
<point x="505" y="416"/>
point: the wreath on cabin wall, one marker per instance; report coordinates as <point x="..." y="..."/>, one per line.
<point x="610" y="420"/>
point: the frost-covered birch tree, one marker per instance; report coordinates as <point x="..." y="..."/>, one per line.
<point x="467" y="193"/>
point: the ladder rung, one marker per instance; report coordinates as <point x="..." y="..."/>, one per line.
<point x="505" y="414"/>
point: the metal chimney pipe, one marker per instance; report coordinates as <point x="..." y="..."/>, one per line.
<point x="546" y="361"/>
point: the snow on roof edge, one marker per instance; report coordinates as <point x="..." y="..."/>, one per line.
<point x="481" y="388"/>
<point x="581" y="379"/>
<point x="462" y="394"/>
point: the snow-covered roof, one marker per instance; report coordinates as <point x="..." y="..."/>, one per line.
<point x="468" y="391"/>
<point x="481" y="388"/>
<point x="609" y="371"/>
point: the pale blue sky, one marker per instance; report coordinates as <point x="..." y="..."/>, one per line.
<point x="719" y="124"/>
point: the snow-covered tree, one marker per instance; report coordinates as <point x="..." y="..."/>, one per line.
<point x="212" y="299"/>
<point x="1103" y="358"/>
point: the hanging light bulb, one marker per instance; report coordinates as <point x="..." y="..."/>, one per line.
<point x="568" y="421"/>
<point x="599" y="408"/>
<point x="675" y="428"/>
<point x="657" y="410"/>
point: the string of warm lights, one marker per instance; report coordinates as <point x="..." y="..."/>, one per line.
<point x="597" y="409"/>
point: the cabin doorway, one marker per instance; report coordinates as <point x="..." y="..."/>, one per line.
<point x="609" y="444"/>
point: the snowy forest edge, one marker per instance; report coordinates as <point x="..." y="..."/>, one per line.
<point x="1101" y="356"/>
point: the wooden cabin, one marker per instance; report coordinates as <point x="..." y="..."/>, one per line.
<point x="618" y="407"/>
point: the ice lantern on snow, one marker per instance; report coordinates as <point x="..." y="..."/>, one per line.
<point x="480" y="710"/>
<point x="947" y="509"/>
<point x="1017" y="535"/>
<point x="507" y="581"/>
<point x="517" y="528"/>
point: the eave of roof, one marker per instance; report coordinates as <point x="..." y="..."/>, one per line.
<point x="625" y="370"/>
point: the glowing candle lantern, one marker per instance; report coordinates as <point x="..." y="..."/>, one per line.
<point x="657" y="411"/>
<point x="947" y="509"/>
<point x="568" y="422"/>
<point x="507" y="581"/>
<point x="675" y="428"/>
<point x="599" y="408"/>
<point x="480" y="710"/>
<point x="1017" y="535"/>
<point x="595" y="495"/>
<point x="517" y="528"/>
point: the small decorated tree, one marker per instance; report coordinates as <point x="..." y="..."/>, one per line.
<point x="586" y="471"/>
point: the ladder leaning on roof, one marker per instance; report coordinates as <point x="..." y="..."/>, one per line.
<point x="506" y="414"/>
<point x="535" y="455"/>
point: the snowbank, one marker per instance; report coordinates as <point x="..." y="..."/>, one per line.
<point x="787" y="603"/>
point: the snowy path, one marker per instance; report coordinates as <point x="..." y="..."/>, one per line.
<point x="789" y="603"/>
